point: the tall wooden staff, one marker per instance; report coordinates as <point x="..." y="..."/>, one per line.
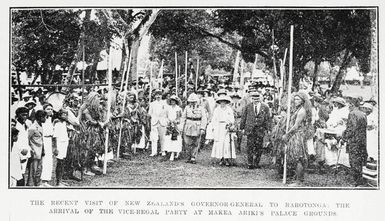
<point x="108" y="109"/>
<point x="149" y="100"/>
<point x="185" y="74"/>
<point x="84" y="61"/>
<point x="196" y="75"/>
<point x="282" y="73"/>
<point x="274" y="61"/>
<point x="288" y="99"/>
<point x="176" y="74"/>
<point x="123" y="105"/>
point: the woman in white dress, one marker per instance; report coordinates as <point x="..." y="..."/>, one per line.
<point x="173" y="139"/>
<point x="223" y="123"/>
<point x="47" y="160"/>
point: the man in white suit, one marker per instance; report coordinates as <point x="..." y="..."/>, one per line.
<point x="157" y="111"/>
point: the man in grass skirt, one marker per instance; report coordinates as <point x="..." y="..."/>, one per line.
<point x="91" y="117"/>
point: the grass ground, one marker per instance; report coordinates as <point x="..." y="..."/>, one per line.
<point x="144" y="171"/>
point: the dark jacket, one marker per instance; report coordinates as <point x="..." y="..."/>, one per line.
<point x="355" y="133"/>
<point x="254" y="124"/>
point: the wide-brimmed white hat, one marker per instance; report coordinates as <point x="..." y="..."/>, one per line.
<point x="193" y="98"/>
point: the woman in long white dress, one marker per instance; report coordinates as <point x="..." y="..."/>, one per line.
<point x="173" y="139"/>
<point x="223" y="121"/>
<point x="47" y="160"/>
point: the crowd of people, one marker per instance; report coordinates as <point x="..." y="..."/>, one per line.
<point x="215" y="115"/>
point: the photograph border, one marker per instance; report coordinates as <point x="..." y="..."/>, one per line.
<point x="376" y="7"/>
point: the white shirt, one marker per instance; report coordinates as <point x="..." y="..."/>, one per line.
<point x="172" y="112"/>
<point x="48" y="127"/>
<point x="60" y="131"/>
<point x="22" y="142"/>
<point x="258" y="107"/>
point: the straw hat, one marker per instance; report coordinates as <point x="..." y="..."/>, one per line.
<point x="339" y="100"/>
<point x="175" y="98"/>
<point x="368" y="106"/>
<point x="30" y="102"/>
<point x="255" y="94"/>
<point x="222" y="91"/>
<point x="235" y="95"/>
<point x="223" y="98"/>
<point x="157" y="91"/>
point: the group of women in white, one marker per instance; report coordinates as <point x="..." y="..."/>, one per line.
<point x="221" y="122"/>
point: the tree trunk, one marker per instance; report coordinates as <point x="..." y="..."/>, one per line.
<point x="93" y="69"/>
<point x="373" y="54"/>
<point x="19" y="83"/>
<point x="136" y="43"/>
<point x="317" y="62"/>
<point x="79" y="50"/>
<point x="124" y="58"/>
<point x="338" y="80"/>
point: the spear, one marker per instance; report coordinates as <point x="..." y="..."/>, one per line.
<point x="185" y="74"/>
<point x="197" y="74"/>
<point x="123" y="105"/>
<point x="150" y="82"/>
<point x="176" y="74"/>
<point x="282" y="73"/>
<point x="288" y="99"/>
<point x="108" y="109"/>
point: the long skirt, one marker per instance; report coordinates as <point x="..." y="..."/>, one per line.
<point x="173" y="145"/>
<point x="222" y="147"/>
<point x="47" y="159"/>
<point x="296" y="151"/>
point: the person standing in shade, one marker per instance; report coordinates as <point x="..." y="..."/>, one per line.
<point x="60" y="144"/>
<point x="193" y="122"/>
<point x="255" y="122"/>
<point x="22" y="143"/>
<point x="237" y="106"/>
<point x="35" y="138"/>
<point x="355" y="137"/>
<point x="300" y="130"/>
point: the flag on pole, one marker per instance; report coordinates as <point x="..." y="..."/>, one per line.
<point x="185" y="74"/>
<point x="160" y="75"/>
<point x="236" y="74"/>
<point x="253" y="72"/>
<point x="176" y="74"/>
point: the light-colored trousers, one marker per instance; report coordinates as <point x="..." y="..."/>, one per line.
<point x="158" y="132"/>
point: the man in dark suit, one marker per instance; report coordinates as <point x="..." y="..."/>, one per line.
<point x="255" y="122"/>
<point x="355" y="136"/>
